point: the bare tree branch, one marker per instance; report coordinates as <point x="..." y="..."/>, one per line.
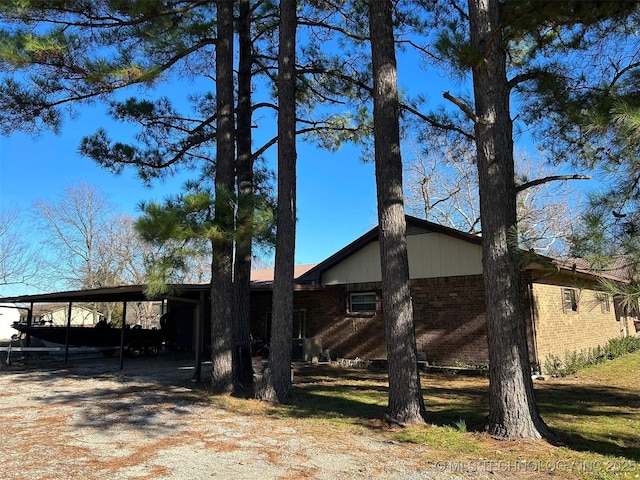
<point x="465" y="109"/>
<point x="433" y="123"/>
<point x="552" y="178"/>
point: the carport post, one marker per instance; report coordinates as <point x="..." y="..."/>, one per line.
<point x="66" y="341"/>
<point x="197" y="375"/>
<point x="29" y="324"/>
<point x="124" y="326"/>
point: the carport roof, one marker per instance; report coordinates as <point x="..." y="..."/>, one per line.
<point x="129" y="293"/>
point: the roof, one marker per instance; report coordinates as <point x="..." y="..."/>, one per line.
<point x="136" y="293"/>
<point x="618" y="272"/>
<point x="415" y="226"/>
<point x="128" y="293"/>
<point x="306" y="276"/>
<point x="264" y="277"/>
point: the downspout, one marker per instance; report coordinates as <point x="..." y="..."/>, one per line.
<point x="534" y="332"/>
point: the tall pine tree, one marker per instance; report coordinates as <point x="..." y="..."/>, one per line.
<point x="406" y="405"/>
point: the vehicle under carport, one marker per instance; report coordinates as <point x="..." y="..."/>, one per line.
<point x="187" y="304"/>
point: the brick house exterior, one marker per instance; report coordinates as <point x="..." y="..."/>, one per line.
<point x="448" y="302"/>
<point x="562" y="327"/>
<point x="448" y="314"/>
<point x="337" y="303"/>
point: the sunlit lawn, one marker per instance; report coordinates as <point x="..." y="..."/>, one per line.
<point x="595" y="415"/>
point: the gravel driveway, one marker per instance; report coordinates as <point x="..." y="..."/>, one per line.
<point x="89" y="420"/>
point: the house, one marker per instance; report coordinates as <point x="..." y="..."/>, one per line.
<point x="337" y="302"/>
<point x="57" y="314"/>
<point x="8" y="315"/>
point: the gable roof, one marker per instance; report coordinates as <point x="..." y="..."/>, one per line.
<point x="415" y="226"/>
<point x="307" y="276"/>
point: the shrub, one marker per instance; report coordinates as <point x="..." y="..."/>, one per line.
<point x="461" y="425"/>
<point x="579" y="359"/>
<point x="621" y="346"/>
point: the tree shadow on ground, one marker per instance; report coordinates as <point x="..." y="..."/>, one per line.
<point x="565" y="404"/>
<point x="152" y="392"/>
<point x="341" y="393"/>
<point x="147" y="395"/>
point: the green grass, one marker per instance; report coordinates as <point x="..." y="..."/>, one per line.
<point x="595" y="414"/>
<point x="598" y="409"/>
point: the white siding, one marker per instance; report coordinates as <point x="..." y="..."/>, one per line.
<point x="362" y="266"/>
<point x="79" y="316"/>
<point x="437" y="255"/>
<point x="7" y="317"/>
<point x="430" y="255"/>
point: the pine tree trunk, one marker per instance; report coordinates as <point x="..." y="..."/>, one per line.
<point x="276" y="383"/>
<point x="406" y="404"/>
<point x="243" y="375"/>
<point x="222" y="262"/>
<point x="512" y="407"/>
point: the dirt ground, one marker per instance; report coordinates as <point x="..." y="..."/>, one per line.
<point x="90" y="420"/>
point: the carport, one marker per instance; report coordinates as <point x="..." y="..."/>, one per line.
<point x="195" y="295"/>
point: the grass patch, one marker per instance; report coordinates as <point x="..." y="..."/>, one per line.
<point x="595" y="413"/>
<point x="447" y="440"/>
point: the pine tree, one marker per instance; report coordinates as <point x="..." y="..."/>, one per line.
<point x="276" y="385"/>
<point x="406" y="405"/>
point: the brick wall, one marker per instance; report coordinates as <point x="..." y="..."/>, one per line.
<point x="560" y="330"/>
<point x="345" y="335"/>
<point x="448" y="316"/>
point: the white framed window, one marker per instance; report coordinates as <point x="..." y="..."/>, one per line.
<point x="569" y="300"/>
<point x="363" y="302"/>
<point x="605" y="303"/>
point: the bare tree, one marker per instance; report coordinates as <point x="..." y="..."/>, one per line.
<point x="442" y="186"/>
<point x="124" y="254"/>
<point x="73" y="228"/>
<point x="127" y="257"/>
<point x="19" y="263"/>
<point x="546" y="210"/>
<point x="90" y="246"/>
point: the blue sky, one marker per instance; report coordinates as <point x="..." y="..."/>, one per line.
<point x="336" y="191"/>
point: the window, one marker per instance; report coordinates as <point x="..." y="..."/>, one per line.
<point x="605" y="303"/>
<point x="570" y="300"/>
<point x="363" y="302"/>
